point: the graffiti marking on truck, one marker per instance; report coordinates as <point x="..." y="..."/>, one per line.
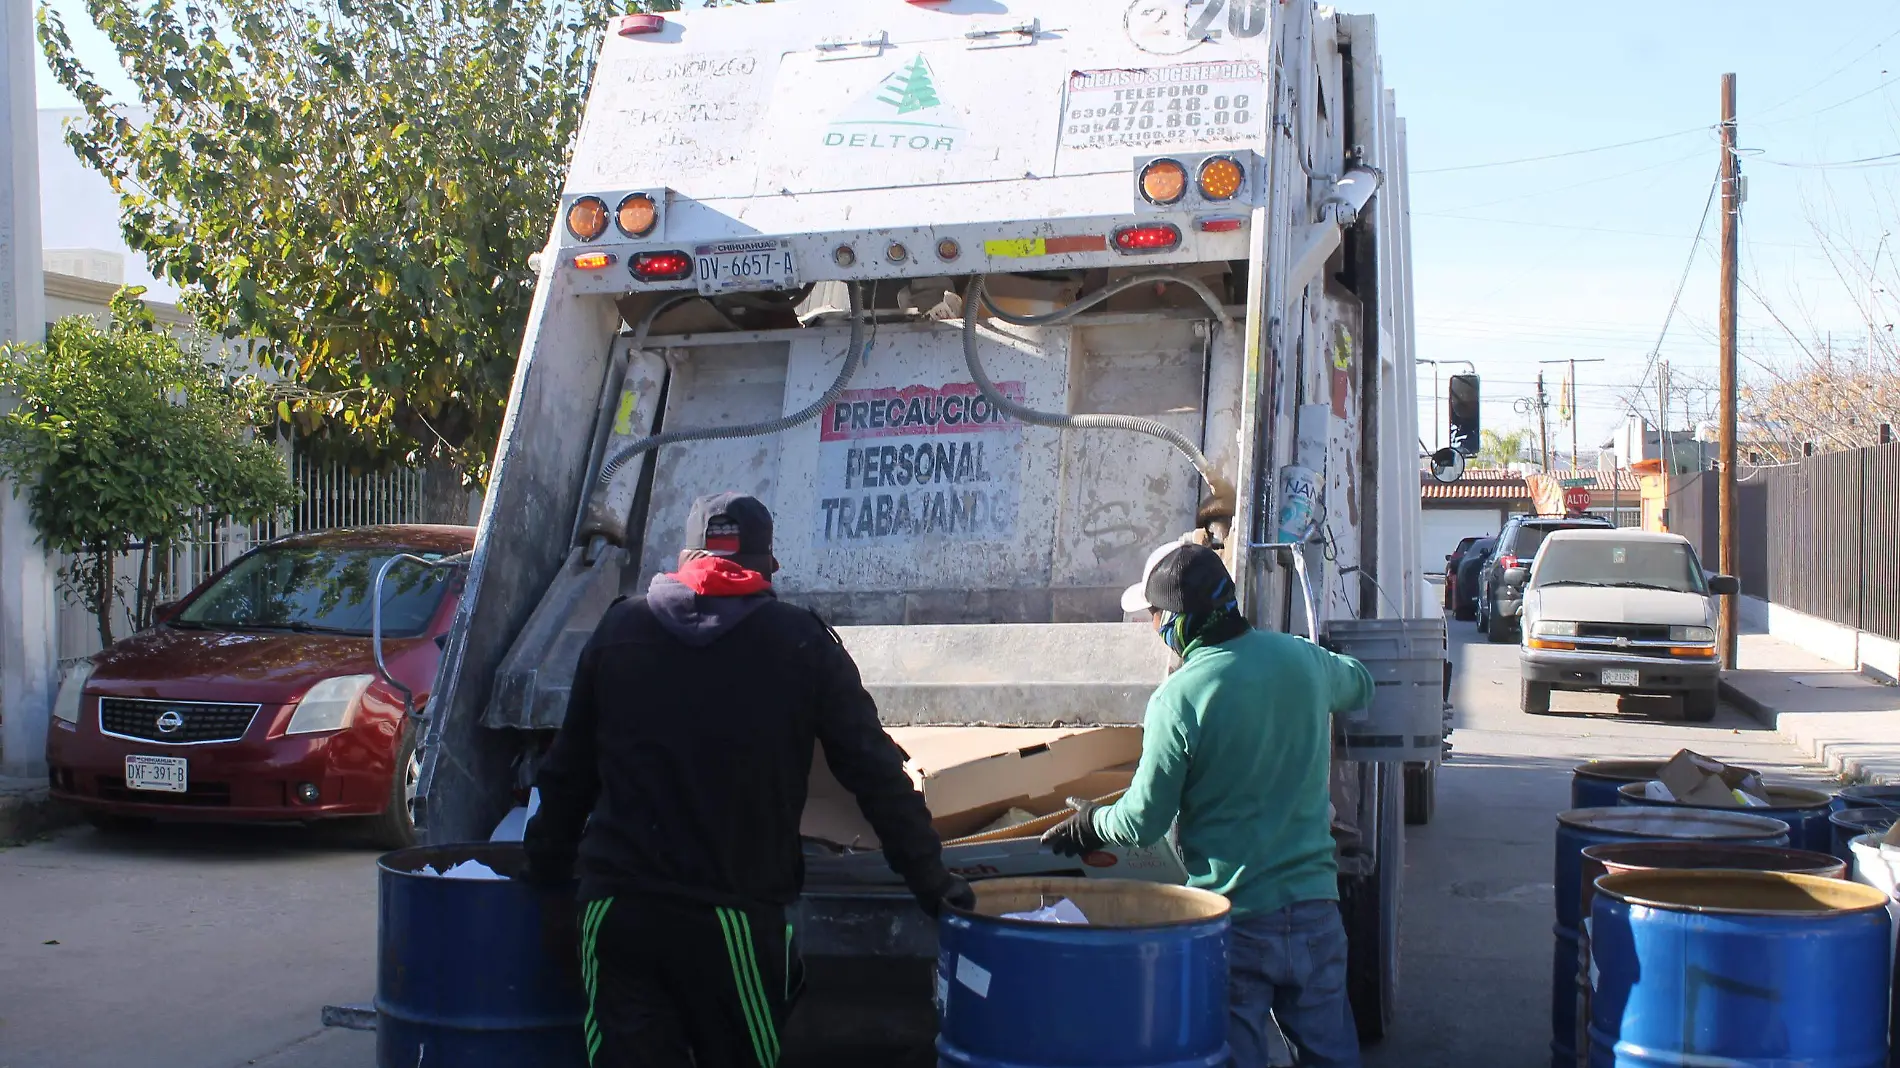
<point x="1193" y="103"/>
<point x="922" y="461"/>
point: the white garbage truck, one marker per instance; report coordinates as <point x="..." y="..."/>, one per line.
<point x="985" y="299"/>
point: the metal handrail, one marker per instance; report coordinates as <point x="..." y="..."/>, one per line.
<point x="376" y="617"/>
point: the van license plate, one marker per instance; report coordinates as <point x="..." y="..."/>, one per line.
<point x="737" y="266"/>
<point x="163" y="774"/>
<point x="1622" y="677"/>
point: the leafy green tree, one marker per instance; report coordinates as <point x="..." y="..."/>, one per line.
<point x="1502" y="449"/>
<point x="359" y="183"/>
<point x="122" y="439"/>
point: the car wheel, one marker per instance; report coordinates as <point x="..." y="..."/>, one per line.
<point x="1534" y="697"/>
<point x="1698" y="706"/>
<point x="1497" y="629"/>
<point x="396" y="827"/>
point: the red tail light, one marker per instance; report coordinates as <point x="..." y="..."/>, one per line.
<point x="1150" y="238"/>
<point x="662" y="266"/>
<point x="1507" y="562"/>
<point x="636" y="25"/>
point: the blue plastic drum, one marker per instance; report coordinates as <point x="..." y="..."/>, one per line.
<point x="1579" y="829"/>
<point x="1594" y="785"/>
<point x="1142" y="985"/>
<point x="1738" y="969"/>
<point x="1804" y="811"/>
<point x="475" y="973"/>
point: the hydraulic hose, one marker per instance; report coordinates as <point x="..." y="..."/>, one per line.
<point x="1223" y="493"/>
<point x="853" y="360"/>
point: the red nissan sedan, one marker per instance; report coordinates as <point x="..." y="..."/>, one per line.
<point x="257" y="696"/>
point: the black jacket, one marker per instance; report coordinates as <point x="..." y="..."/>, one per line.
<point x="689" y="740"/>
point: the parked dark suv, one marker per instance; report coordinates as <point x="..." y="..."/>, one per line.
<point x="1498" y="601"/>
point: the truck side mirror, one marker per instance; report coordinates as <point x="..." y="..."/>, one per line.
<point x="1517" y="576"/>
<point x="1724" y="585"/>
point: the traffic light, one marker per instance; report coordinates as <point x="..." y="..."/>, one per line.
<point x="1464" y="414"/>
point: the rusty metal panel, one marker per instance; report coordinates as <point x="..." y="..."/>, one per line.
<point x="1123" y="494"/>
<point x="722" y="385"/>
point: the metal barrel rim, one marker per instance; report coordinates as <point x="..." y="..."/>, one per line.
<point x="1722" y="825"/>
<point x="1837" y="897"/>
<point x="1622" y="857"/>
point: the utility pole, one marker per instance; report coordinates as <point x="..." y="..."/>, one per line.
<point x="1543" y="423"/>
<point x="1731" y="271"/>
<point x="1663" y="451"/>
<point x="1575" y="398"/>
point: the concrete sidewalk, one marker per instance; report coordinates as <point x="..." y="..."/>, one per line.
<point x="1846" y="720"/>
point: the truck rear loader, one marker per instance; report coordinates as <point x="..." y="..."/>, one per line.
<point x="985" y="299"/>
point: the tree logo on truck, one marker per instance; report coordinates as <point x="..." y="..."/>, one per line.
<point x="903" y="113"/>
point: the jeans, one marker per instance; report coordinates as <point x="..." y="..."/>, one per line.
<point x="1289" y="966"/>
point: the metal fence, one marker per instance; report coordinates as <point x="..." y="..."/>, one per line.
<point x="333" y="497"/>
<point x="1821" y="536"/>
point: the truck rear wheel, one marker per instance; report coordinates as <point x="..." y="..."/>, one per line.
<point x="1421" y="793"/>
<point x="1369" y="906"/>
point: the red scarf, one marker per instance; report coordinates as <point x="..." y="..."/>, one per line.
<point x="715" y="576"/>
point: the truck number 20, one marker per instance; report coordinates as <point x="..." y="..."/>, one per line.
<point x="1245" y="18"/>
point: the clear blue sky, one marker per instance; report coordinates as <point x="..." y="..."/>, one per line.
<point x="1580" y="256"/>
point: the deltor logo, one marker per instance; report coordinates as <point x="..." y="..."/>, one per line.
<point x="903" y="113"/>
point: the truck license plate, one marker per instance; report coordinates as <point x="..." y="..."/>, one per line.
<point x="1622" y="677"/>
<point x="737" y="266"/>
<point x="163" y="774"/>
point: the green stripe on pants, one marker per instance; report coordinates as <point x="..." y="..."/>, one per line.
<point x="751" y="997"/>
<point x="590" y="969"/>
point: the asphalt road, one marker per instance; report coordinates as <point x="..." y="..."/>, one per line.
<point x="216" y="947"/>
<point x="1475" y="926"/>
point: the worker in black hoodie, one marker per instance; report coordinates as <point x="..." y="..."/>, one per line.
<point x="688" y="740"/>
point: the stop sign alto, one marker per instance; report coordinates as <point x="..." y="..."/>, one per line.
<point x="1577" y="499"/>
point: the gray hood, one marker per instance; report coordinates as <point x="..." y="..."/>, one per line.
<point x="1587" y="604"/>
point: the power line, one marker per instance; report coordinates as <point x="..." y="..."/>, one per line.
<point x="1596" y="229"/>
<point x="1579" y="185"/>
<point x="1676" y="302"/>
<point x="1837" y="72"/>
<point x="1563" y="155"/>
<point x="1865" y="163"/>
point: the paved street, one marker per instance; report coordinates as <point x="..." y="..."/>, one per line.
<point x="1476" y="926"/>
<point x="215" y="947"/>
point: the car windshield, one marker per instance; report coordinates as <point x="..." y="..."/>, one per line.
<point x="1644" y="565"/>
<point x="318" y="590"/>
<point x="1531" y="538"/>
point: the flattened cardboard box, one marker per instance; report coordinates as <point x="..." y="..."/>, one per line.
<point x="971" y="775"/>
<point x="1015" y="851"/>
<point x="1701" y="780"/>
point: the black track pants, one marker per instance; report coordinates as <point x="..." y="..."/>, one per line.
<point x="675" y="984"/>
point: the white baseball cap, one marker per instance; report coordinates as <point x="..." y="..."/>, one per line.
<point x="1135" y="598"/>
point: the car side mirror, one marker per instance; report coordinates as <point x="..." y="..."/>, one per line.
<point x="1517" y="576"/>
<point x="1725" y="585"/>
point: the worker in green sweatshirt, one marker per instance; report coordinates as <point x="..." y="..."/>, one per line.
<point x="1237" y="745"/>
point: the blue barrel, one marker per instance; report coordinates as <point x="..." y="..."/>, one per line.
<point x="1142" y="985"/>
<point x="1804" y="811"/>
<point x="1579" y="829"/>
<point x="1594" y="785"/>
<point x="1887" y="797"/>
<point x="475" y="973"/>
<point x="1850" y="823"/>
<point x="1738" y="969"/>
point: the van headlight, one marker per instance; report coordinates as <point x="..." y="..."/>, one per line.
<point x="330" y="705"/>
<point x="66" y="706"/>
<point x="1691" y="634"/>
<point x="1546" y="629"/>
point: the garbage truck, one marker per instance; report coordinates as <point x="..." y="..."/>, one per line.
<point x="986" y="299"/>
